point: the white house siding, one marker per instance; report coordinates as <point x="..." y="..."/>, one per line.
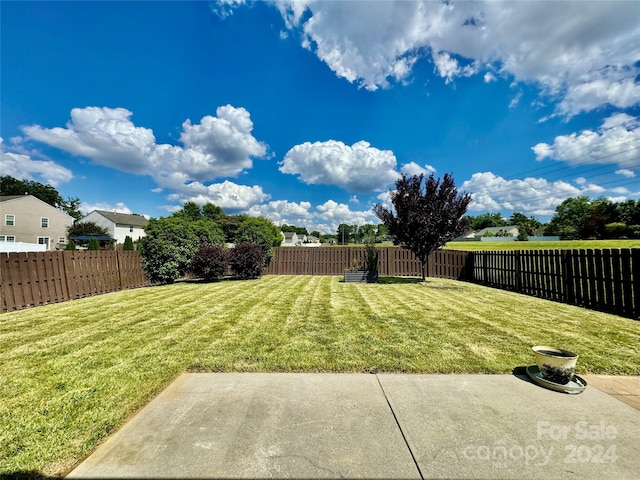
<point x="136" y="233"/>
<point x="101" y="221"/>
<point x="118" y="231"/>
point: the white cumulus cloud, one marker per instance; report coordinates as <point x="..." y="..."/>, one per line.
<point x="331" y="214"/>
<point x="22" y="167"/>
<point x="283" y="211"/>
<point x="229" y="196"/>
<point x="532" y="196"/>
<point x="583" y="54"/>
<point x="217" y="147"/>
<point x="119" y="207"/>
<point x="358" y="168"/>
<point x="412" y="168"/>
<point x="617" y="142"/>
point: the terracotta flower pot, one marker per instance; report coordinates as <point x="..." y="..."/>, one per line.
<point x="556" y="365"/>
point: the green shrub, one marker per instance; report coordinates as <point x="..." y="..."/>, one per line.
<point x="71" y="245"/>
<point x="94" y="244"/>
<point x="372" y="255"/>
<point x="209" y="262"/>
<point x="128" y="243"/>
<point x="167" y="249"/>
<point x="246" y="260"/>
<point x="615" y="230"/>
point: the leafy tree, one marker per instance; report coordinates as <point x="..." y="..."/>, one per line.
<point x="86" y="228"/>
<point x="212" y="212"/>
<point x="72" y="207"/>
<point x="602" y="211"/>
<point x="629" y="212"/>
<point x="486" y="220"/>
<point x="424" y="220"/>
<point x="46" y="193"/>
<point x="71" y="245"/>
<point x="190" y="211"/>
<point x="366" y="232"/>
<point x="168" y="248"/>
<point x="316" y="234"/>
<point x="526" y="226"/>
<point x="94" y="244"/>
<point x="230" y="226"/>
<point x="344" y="233"/>
<point x="382" y="232"/>
<point x="261" y="232"/>
<point x="128" y="243"/>
<point x="207" y="231"/>
<point x="616" y="230"/>
<point x="570" y="219"/>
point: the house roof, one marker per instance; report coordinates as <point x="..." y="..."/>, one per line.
<point x="7" y="198"/>
<point x="288" y="235"/>
<point x="508" y="228"/>
<point x="4" y="198"/>
<point x="134" y="219"/>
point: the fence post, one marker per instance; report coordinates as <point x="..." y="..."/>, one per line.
<point x="635" y="268"/>
<point x="567" y="274"/>
<point x="516" y="260"/>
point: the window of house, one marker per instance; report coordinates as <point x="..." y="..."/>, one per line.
<point x="62" y="240"/>
<point x="7" y="238"/>
<point x="43" y="241"/>
<point x="9" y="220"/>
<point x="44" y="222"/>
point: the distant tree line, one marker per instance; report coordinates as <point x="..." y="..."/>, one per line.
<point x="576" y="218"/>
<point x="582" y="218"/>
<point x="46" y="193"/>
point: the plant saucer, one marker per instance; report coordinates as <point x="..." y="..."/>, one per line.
<point x="575" y="386"/>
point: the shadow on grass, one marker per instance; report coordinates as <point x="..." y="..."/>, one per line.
<point x="26" y="475"/>
<point x="398" y="280"/>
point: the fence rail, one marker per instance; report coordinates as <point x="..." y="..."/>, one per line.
<point x="38" y="278"/>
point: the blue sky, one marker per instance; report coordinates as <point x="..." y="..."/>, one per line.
<point x="307" y="112"/>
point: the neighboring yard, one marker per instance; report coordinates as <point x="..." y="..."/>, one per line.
<point x="72" y="373"/>
<point x="556" y="245"/>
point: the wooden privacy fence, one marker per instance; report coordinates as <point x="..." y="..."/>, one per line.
<point x="606" y="280"/>
<point x="392" y="261"/>
<point x="38" y="278"/>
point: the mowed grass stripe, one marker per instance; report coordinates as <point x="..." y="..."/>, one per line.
<point x="74" y="372"/>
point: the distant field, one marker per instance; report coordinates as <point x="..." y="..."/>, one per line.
<point x="559" y="245"/>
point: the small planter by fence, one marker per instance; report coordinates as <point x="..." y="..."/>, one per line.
<point x="361" y="276"/>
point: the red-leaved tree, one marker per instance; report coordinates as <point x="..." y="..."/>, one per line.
<point x="424" y="219"/>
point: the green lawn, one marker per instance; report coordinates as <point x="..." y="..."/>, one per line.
<point x="557" y="245"/>
<point x="74" y="372"/>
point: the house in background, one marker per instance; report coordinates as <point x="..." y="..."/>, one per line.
<point x="511" y="230"/>
<point x="119" y="225"/>
<point x="31" y="224"/>
<point x="310" y="241"/>
<point x="290" y="239"/>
